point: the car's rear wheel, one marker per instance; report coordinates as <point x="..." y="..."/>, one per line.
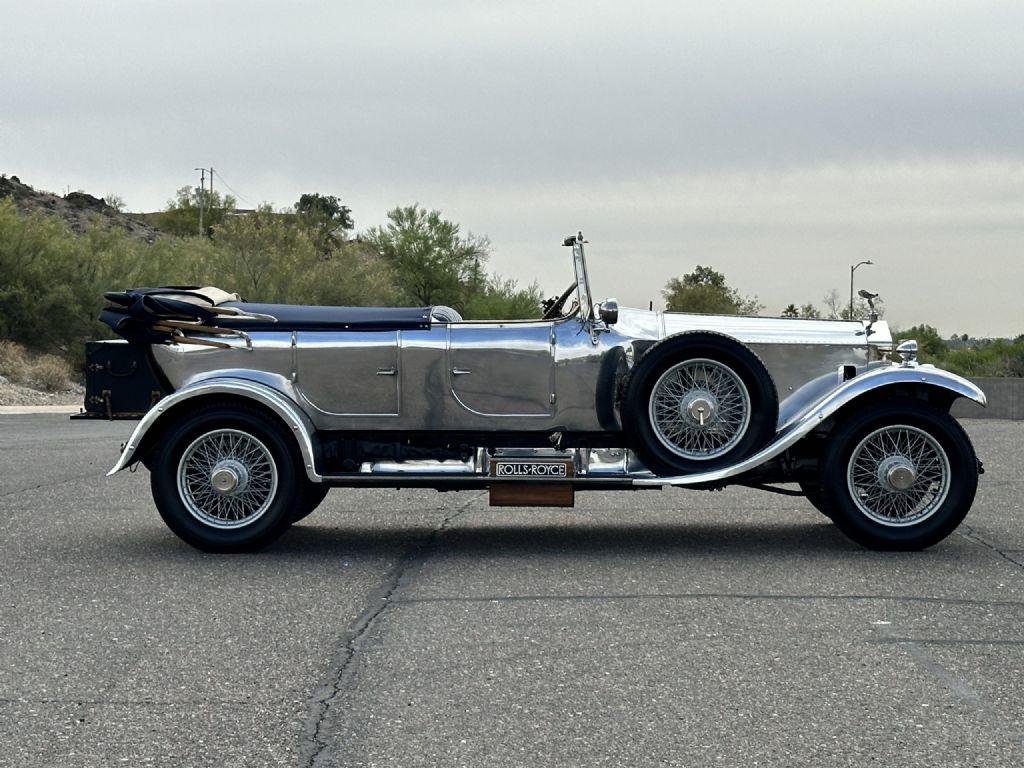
<point x="225" y="479"/>
<point x="699" y="402"/>
<point x="898" y="476"/>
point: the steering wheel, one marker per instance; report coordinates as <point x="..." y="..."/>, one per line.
<point x="553" y="307"/>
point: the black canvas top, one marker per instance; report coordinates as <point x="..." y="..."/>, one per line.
<point x="160" y="315"/>
<point x="297" y="317"/>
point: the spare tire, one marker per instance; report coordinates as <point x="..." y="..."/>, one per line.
<point x="699" y="401"/>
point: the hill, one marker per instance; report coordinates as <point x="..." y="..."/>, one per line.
<point x="77" y="209"/>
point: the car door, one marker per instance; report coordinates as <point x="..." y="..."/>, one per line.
<point x="349" y="373"/>
<point x="503" y="369"/>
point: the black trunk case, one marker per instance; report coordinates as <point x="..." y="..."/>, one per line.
<point x="121" y="381"/>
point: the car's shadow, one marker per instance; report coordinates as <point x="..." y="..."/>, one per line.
<point x="816" y="538"/>
<point x="581" y="538"/>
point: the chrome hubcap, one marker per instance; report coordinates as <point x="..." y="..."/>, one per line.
<point x="699" y="409"/>
<point x="898" y="475"/>
<point x="227" y="478"/>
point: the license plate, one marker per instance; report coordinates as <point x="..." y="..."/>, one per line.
<point x="531" y="469"/>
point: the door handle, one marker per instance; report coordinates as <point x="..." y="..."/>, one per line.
<point x="386" y="371"/>
<point x="460" y="371"/>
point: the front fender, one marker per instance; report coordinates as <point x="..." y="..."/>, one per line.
<point x="889" y="375"/>
<point x="802" y="423"/>
<point x="285" y="408"/>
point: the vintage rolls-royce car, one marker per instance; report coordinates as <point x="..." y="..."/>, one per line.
<point x="249" y="413"/>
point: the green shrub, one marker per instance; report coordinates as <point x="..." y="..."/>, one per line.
<point x="41" y="371"/>
<point x="49" y="373"/>
<point x="984" y="357"/>
<point x="12" y="361"/>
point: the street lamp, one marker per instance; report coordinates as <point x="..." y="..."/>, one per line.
<point x="853" y="268"/>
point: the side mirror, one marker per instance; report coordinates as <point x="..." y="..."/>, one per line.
<point x="608" y="311"/>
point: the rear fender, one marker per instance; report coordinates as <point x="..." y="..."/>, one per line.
<point x="297" y="422"/>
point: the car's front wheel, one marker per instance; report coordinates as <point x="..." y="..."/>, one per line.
<point x="225" y="479"/>
<point x="698" y="402"/>
<point x="898" y="476"/>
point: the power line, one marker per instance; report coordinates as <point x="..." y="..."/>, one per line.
<point x="231" y="189"/>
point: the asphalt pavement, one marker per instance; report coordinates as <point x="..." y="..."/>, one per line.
<point x="413" y="628"/>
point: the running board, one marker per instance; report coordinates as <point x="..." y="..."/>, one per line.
<point x="525" y="477"/>
<point x="466" y="482"/>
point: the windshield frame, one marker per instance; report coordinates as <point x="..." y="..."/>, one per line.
<point x="579" y="262"/>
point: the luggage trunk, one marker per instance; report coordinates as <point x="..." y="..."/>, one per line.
<point x="121" y="381"/>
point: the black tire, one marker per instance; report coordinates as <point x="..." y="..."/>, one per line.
<point x="279" y="505"/>
<point x="312" y="494"/>
<point x="938" y="518"/>
<point x="747" y="366"/>
<point x="812" y="492"/>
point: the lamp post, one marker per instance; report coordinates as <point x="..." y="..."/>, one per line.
<point x="853" y="268"/>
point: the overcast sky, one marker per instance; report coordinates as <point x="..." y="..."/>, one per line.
<point x="778" y="142"/>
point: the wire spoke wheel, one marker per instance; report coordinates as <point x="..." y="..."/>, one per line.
<point x="898" y="475"/>
<point x="699" y="409"/>
<point x="227" y="478"/>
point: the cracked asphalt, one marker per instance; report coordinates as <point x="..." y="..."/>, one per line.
<point x="410" y="628"/>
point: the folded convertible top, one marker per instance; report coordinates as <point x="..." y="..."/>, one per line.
<point x="175" y="313"/>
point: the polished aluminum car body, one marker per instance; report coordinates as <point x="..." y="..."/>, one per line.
<point x="542" y="377"/>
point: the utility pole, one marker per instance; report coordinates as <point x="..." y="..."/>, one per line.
<point x="202" y="191"/>
<point x="211" y="185"/>
<point x="853" y="268"/>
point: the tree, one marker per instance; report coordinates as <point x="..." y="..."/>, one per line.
<point x="809" y="312"/>
<point x="433" y="262"/>
<point x="326" y="219"/>
<point x="115" y="201"/>
<point x="804" y="311"/>
<point x="352" y="274"/>
<point x="834" y="305"/>
<point x="263" y="255"/>
<point x="181" y="216"/>
<point x="327" y="208"/>
<point x="705" y="290"/>
<point x="498" y="298"/>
